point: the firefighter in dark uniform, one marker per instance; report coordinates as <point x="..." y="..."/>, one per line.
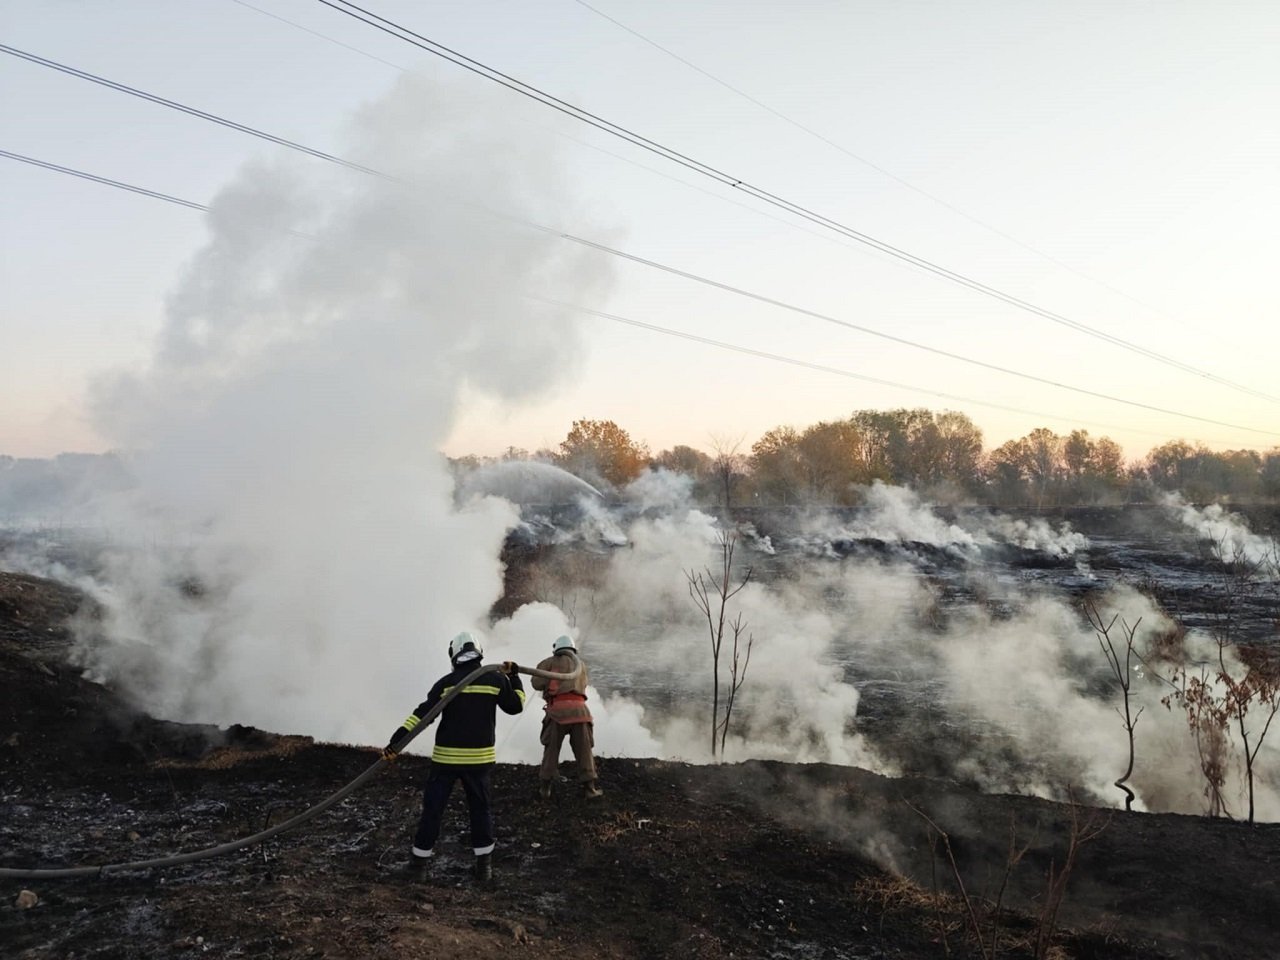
<point x="464" y="748"/>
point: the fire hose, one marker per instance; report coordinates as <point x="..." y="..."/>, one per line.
<point x="57" y="873"/>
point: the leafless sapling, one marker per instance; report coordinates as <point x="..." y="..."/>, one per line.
<point x="1123" y="672"/>
<point x="711" y="593"/>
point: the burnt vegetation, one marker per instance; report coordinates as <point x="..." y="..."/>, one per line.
<point x="747" y="859"/>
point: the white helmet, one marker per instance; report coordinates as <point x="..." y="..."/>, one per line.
<point x="563" y="643"/>
<point x="463" y="644"/>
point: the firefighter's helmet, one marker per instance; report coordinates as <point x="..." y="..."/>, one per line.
<point x="463" y="644"/>
<point x="563" y="643"/>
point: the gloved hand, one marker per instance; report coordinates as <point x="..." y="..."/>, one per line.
<point x="389" y="755"/>
<point x="509" y="667"/>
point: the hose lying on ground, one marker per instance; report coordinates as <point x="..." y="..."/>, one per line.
<point x="55" y="873"/>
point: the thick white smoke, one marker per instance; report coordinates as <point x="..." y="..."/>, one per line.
<point x="288" y="429"/>
<point x="894" y="514"/>
<point x="1228" y="533"/>
<point x="1014" y="695"/>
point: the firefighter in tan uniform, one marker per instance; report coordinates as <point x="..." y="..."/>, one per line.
<point x="566" y="715"/>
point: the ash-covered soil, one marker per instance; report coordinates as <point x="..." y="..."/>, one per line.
<point x="742" y="860"/>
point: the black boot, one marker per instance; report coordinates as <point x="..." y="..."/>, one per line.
<point x="416" y="868"/>
<point x="483" y="869"/>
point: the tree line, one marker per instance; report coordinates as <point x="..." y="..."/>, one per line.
<point x="940" y="454"/>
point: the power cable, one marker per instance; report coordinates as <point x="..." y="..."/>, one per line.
<point x="361" y="168"/>
<point x="739" y="291"/>
<point x="322" y="36"/>
<point x="534" y="93"/>
<point x="836" y="371"/>
<point x="192" y="111"/>
<point x="119" y="185"/>
<point x="865" y="162"/>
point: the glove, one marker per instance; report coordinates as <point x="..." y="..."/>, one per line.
<point x="509" y="667"/>
<point x="389" y="755"/>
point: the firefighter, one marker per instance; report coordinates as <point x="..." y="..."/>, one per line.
<point x="566" y="715"/>
<point x="464" y="749"/>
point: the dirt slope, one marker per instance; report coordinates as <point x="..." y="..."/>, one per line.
<point x="745" y="860"/>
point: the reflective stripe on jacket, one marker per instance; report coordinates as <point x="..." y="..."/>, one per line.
<point x="465" y="736"/>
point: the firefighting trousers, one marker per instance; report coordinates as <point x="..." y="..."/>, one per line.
<point x="476" y="780"/>
<point x="581" y="740"/>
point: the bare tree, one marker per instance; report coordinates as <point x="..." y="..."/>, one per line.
<point x="1123" y="672"/>
<point x="711" y="593"/>
<point x="728" y="466"/>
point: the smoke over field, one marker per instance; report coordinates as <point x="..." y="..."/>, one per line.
<point x="291" y="550"/>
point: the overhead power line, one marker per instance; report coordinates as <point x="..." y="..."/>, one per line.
<point x="435" y="48"/>
<point x="105" y="181"/>
<point x="192" y="111"/>
<point x="361" y="168"/>
<point x="870" y="164"/>
<point x="700" y="279"/>
<point x="835" y="371"/>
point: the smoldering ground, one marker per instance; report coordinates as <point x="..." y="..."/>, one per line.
<point x="888" y="662"/>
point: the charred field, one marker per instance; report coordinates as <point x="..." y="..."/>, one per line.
<point x="753" y="859"/>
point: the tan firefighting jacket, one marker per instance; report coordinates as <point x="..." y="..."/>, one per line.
<point x="566" y="700"/>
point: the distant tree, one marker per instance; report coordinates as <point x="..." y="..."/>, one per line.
<point x="777" y="464"/>
<point x="1269" y="474"/>
<point x="1169" y="465"/>
<point x="959" y="453"/>
<point x="603" y="448"/>
<point x="1006" y="471"/>
<point x="728" y="466"/>
<point x="692" y="463"/>
<point x="1077" y="454"/>
<point x="1044" y="462"/>
<point x="1092" y="468"/>
<point x="515" y="453"/>
<point x="877" y="439"/>
<point x="829" y="452"/>
<point x="685" y="460"/>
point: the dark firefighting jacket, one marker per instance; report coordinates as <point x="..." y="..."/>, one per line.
<point x="566" y="700"/>
<point x="465" y="736"/>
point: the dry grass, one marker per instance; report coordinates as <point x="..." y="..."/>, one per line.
<point x="224" y="758"/>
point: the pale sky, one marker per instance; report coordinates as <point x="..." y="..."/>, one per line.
<point x="1133" y="147"/>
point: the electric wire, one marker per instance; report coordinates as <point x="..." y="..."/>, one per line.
<point x="870" y="164"/>
<point x="739" y="291"/>
<point x="322" y="36"/>
<point x="835" y="371"/>
<point x="392" y="28"/>
<point x="281" y="141"/>
<point x="192" y="111"/>
<point x="105" y="181"/>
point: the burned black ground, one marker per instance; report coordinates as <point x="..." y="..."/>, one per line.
<point x="744" y="860"/>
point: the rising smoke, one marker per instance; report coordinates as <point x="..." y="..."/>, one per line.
<point x="286" y="433"/>
<point x="306" y="559"/>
